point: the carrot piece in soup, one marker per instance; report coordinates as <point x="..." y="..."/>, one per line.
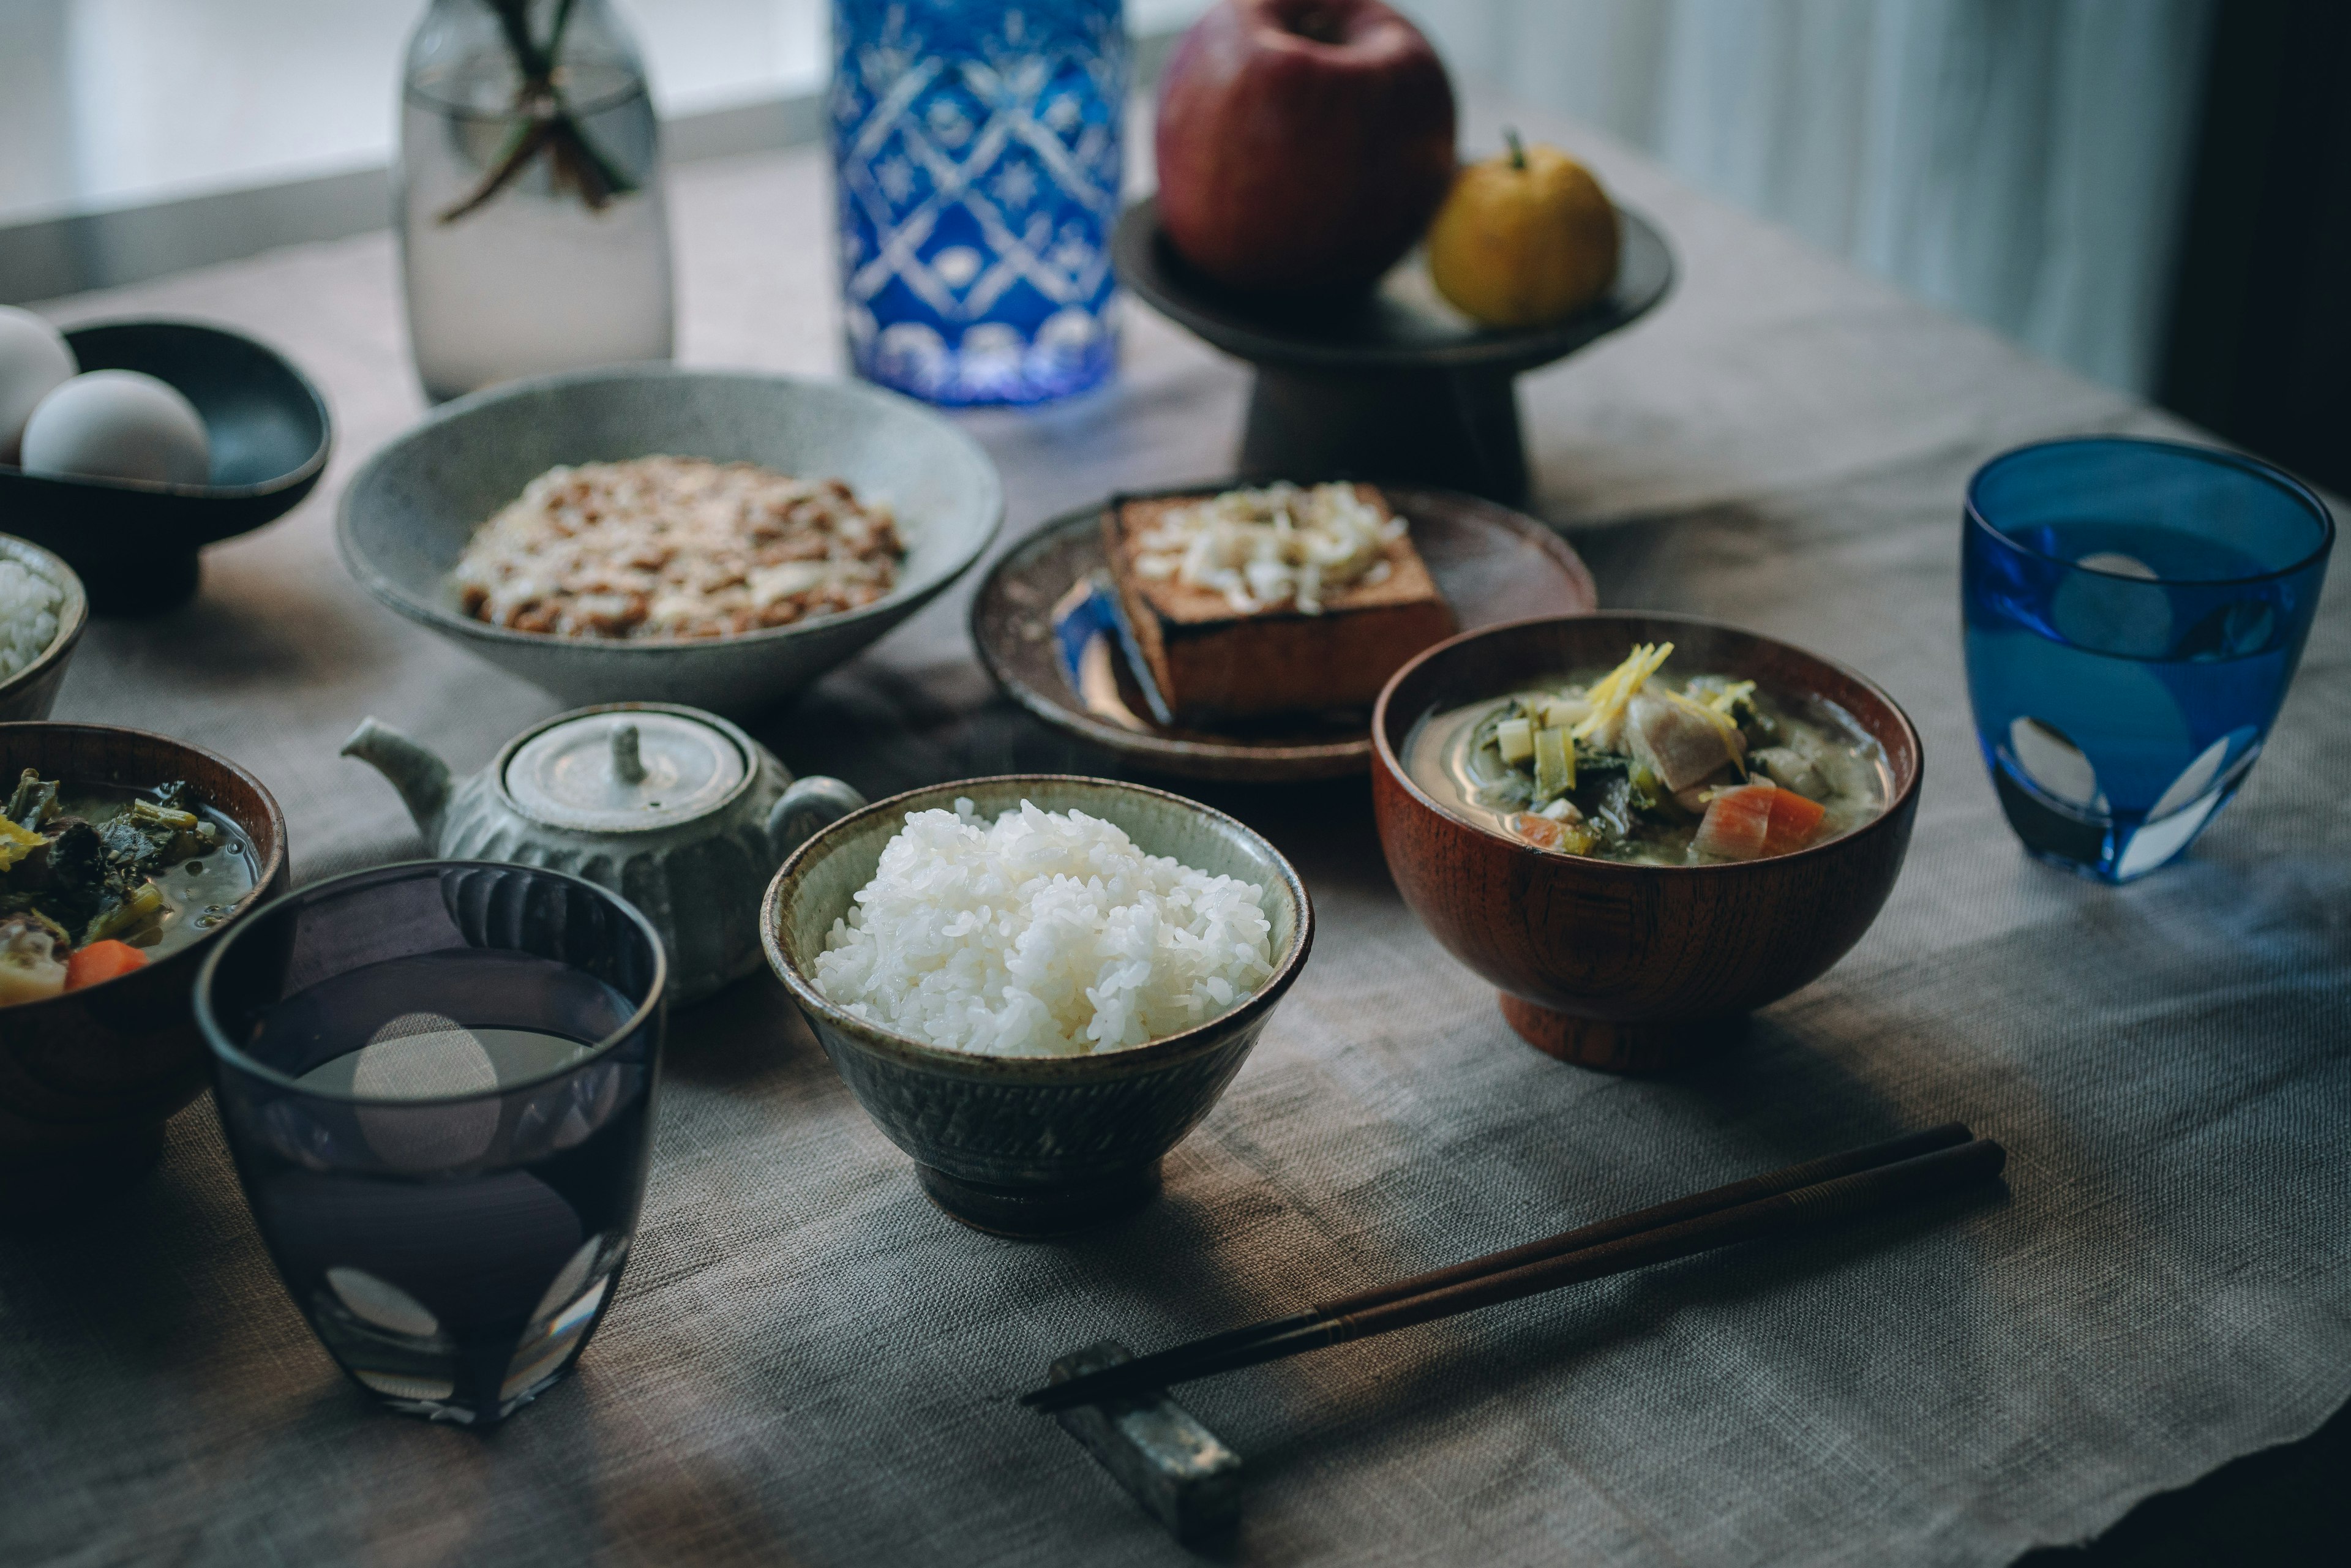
<point x="1794" y="821"/>
<point x="1538" y="831"/>
<point x="1757" y="820"/>
<point x="1737" y="823"/>
<point x="101" y="961"/>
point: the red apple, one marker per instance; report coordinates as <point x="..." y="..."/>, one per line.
<point x="1303" y="144"/>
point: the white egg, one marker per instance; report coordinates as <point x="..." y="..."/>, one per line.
<point x="118" y="425"/>
<point x="35" y="360"/>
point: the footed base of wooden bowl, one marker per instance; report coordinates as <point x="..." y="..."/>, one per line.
<point x="1613" y="1047"/>
<point x="1035" y="1213"/>
<point x="60" y="1183"/>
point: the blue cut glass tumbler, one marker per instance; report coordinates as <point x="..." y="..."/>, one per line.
<point x="2133" y="613"/>
<point x="978" y="147"/>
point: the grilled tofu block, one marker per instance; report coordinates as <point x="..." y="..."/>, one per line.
<point x="1211" y="662"/>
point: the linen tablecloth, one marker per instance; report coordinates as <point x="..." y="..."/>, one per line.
<point x="809" y="1364"/>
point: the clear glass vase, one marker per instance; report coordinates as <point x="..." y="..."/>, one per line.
<point x="978" y="151"/>
<point x="534" y="236"/>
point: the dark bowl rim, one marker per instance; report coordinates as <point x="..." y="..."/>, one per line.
<point x="1165" y="1052"/>
<point x="263" y="874"/>
<point x="217" y="1043"/>
<point x="303" y="473"/>
<point x="901" y="599"/>
<point x="1895" y="806"/>
<point x="2219" y="457"/>
<point x="70" y="626"/>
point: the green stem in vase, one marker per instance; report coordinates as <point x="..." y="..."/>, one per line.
<point x="514" y="20"/>
<point x="546" y="123"/>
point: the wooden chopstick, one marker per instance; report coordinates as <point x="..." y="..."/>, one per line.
<point x="1841" y="1186"/>
<point x="1746" y="1190"/>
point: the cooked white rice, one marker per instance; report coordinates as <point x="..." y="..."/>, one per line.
<point x="28" y="615"/>
<point x="1042" y="933"/>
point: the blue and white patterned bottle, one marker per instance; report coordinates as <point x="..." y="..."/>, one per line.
<point x="978" y="147"/>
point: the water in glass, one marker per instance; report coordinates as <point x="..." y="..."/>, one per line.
<point x="2130" y="633"/>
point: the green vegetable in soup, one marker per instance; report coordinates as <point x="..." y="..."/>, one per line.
<point x="31" y="800"/>
<point x="1554" y="765"/>
<point x="79" y="866"/>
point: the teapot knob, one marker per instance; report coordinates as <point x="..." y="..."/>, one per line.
<point x="628" y="765"/>
<point x="808" y="805"/>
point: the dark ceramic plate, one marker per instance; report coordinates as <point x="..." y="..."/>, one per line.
<point x="1402" y="325"/>
<point x="134" y="544"/>
<point x="1492" y="565"/>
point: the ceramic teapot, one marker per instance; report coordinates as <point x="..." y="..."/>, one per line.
<point x="674" y="808"/>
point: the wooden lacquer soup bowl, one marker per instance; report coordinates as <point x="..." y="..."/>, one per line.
<point x="87" y="1079"/>
<point x="1632" y="968"/>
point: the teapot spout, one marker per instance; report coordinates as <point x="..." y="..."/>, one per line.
<point x="422" y="779"/>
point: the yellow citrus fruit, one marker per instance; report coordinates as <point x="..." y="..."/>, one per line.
<point x="1524" y="240"/>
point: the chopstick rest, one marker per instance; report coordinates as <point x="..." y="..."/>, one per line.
<point x="1182" y="1473"/>
<point x="1858" y="1184"/>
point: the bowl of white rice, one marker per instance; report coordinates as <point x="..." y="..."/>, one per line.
<point x="42" y="613"/>
<point x="1036" y="985"/>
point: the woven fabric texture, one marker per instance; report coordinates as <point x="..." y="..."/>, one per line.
<point x="809" y="1364"/>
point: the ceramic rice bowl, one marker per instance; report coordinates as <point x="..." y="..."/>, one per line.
<point x="1033" y="1146"/>
<point x="32" y="691"/>
<point x="408" y="514"/>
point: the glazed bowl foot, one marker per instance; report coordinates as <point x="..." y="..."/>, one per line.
<point x="1034" y="1213"/>
<point x="1614" y="1046"/>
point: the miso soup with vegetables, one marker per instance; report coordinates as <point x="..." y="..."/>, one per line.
<point x="97" y="881"/>
<point x="1640" y="766"/>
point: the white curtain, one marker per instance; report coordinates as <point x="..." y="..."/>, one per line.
<point x="2021" y="162"/>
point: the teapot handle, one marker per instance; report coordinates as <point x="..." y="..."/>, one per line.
<point x="806" y="806"/>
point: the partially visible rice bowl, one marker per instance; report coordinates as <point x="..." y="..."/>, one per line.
<point x="28" y="615"/>
<point x="1042" y="933"/>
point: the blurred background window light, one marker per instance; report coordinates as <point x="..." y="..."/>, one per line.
<point x="2023" y="165"/>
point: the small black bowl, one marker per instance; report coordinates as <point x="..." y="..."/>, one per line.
<point x="134" y="543"/>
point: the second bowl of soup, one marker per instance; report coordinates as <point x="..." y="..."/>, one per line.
<point x="1640" y="828"/>
<point x="121" y="855"/>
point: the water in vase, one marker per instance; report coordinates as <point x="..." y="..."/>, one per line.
<point x="536" y="276"/>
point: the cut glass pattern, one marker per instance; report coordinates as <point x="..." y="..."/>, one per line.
<point x="978" y="151"/>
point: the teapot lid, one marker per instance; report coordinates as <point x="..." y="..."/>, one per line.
<point x="624" y="770"/>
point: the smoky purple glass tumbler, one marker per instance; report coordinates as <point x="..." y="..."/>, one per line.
<point x="438" y="1082"/>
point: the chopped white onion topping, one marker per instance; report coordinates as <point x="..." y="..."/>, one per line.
<point x="1261" y="549"/>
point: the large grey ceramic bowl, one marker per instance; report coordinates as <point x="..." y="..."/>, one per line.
<point x="408" y="513"/>
<point x="1033" y="1146"/>
<point x="32" y="691"/>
